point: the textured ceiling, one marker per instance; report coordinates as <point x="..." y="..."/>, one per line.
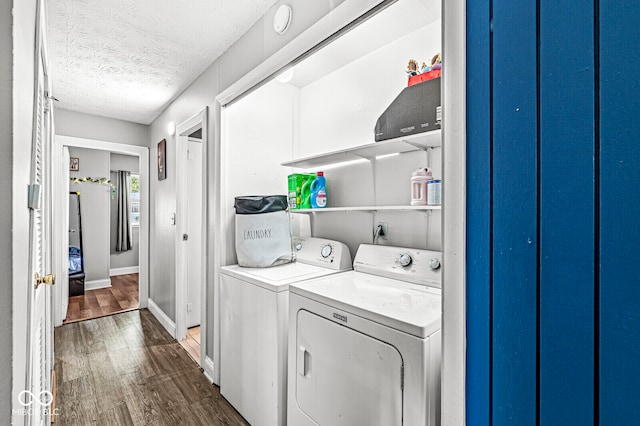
<point x="128" y="59"/>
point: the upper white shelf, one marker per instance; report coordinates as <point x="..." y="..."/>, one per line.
<point x="419" y="141"/>
<point x="368" y="209"/>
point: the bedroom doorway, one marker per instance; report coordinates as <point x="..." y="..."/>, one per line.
<point x="104" y="178"/>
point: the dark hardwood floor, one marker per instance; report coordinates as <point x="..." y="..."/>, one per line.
<point x="125" y="369"/>
<point x="122" y="296"/>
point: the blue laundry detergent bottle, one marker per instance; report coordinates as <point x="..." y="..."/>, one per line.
<point x="319" y="191"/>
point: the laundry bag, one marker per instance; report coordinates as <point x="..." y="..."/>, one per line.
<point x="263" y="233"/>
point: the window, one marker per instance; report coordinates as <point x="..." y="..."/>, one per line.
<point x="134" y="200"/>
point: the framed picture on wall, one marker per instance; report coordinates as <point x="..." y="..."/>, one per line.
<point x="74" y="164"/>
<point x="162" y="159"/>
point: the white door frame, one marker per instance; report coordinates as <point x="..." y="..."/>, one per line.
<point x="61" y="191"/>
<point x="454" y="162"/>
<point x="454" y="213"/>
<point x="60" y="232"/>
<point x="198" y="121"/>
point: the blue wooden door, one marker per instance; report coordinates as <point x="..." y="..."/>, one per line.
<point x="553" y="222"/>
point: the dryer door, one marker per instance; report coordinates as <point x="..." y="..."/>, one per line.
<point x="344" y="377"/>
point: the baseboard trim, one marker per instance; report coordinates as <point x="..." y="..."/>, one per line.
<point x="207" y="369"/>
<point x="162" y="318"/>
<point x="97" y="284"/>
<point x="124" y="271"/>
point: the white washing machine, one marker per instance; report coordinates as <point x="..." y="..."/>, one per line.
<point x="364" y="345"/>
<point x="254" y="326"/>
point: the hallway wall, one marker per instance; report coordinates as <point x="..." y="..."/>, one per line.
<point x="6" y="178"/>
<point x="88" y="126"/>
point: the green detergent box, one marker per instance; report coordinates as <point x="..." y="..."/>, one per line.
<point x="295" y="193"/>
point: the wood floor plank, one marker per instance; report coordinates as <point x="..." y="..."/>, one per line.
<point x="103" y="374"/>
<point x="77" y="402"/>
<point x="118" y="415"/>
<point x="140" y="376"/>
<point x="124" y="320"/>
<point x="90" y="338"/>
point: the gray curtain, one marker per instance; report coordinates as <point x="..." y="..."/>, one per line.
<point x="123" y="230"/>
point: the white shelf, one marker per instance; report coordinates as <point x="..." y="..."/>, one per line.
<point x="367" y="209"/>
<point x="419" y="141"/>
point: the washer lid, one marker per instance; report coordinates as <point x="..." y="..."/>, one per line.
<point x="276" y="278"/>
<point x="410" y="308"/>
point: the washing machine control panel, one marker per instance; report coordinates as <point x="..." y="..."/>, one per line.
<point x="320" y="252"/>
<point x="417" y="266"/>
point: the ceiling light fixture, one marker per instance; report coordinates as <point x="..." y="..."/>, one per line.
<point x="286" y="75"/>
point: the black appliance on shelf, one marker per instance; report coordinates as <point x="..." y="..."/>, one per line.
<point x="416" y="109"/>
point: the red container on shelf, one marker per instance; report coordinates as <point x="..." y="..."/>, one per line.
<point x="425" y="76"/>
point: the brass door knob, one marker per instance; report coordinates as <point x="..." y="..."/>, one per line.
<point x="47" y="279"/>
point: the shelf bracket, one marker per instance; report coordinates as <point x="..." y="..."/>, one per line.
<point x="418" y="146"/>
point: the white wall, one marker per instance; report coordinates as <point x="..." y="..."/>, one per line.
<point x="88" y="126"/>
<point x="129" y="258"/>
<point x="340" y="110"/>
<point x="17" y="31"/>
<point x="260" y="136"/>
<point x="94" y="207"/>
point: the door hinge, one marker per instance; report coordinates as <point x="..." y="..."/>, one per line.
<point x="50" y="96"/>
<point x="33" y="197"/>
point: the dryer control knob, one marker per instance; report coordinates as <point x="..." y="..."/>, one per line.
<point x="325" y="251"/>
<point x="434" y="264"/>
<point x="405" y="259"/>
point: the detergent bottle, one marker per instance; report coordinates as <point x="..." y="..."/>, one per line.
<point x="305" y="193"/>
<point x="319" y="191"/>
<point x="419" y="180"/>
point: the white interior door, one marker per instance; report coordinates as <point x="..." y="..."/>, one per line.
<point x="37" y="395"/>
<point x="194" y="231"/>
<point x="344" y="377"/>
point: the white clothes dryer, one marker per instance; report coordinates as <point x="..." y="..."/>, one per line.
<point x="364" y="345"/>
<point x="254" y="305"/>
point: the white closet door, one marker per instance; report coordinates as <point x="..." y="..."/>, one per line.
<point x="344" y="377"/>
<point x="37" y="395"/>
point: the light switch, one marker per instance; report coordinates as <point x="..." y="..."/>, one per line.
<point x="173" y="219"/>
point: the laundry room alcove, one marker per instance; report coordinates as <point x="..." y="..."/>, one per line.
<point x="319" y="113"/>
